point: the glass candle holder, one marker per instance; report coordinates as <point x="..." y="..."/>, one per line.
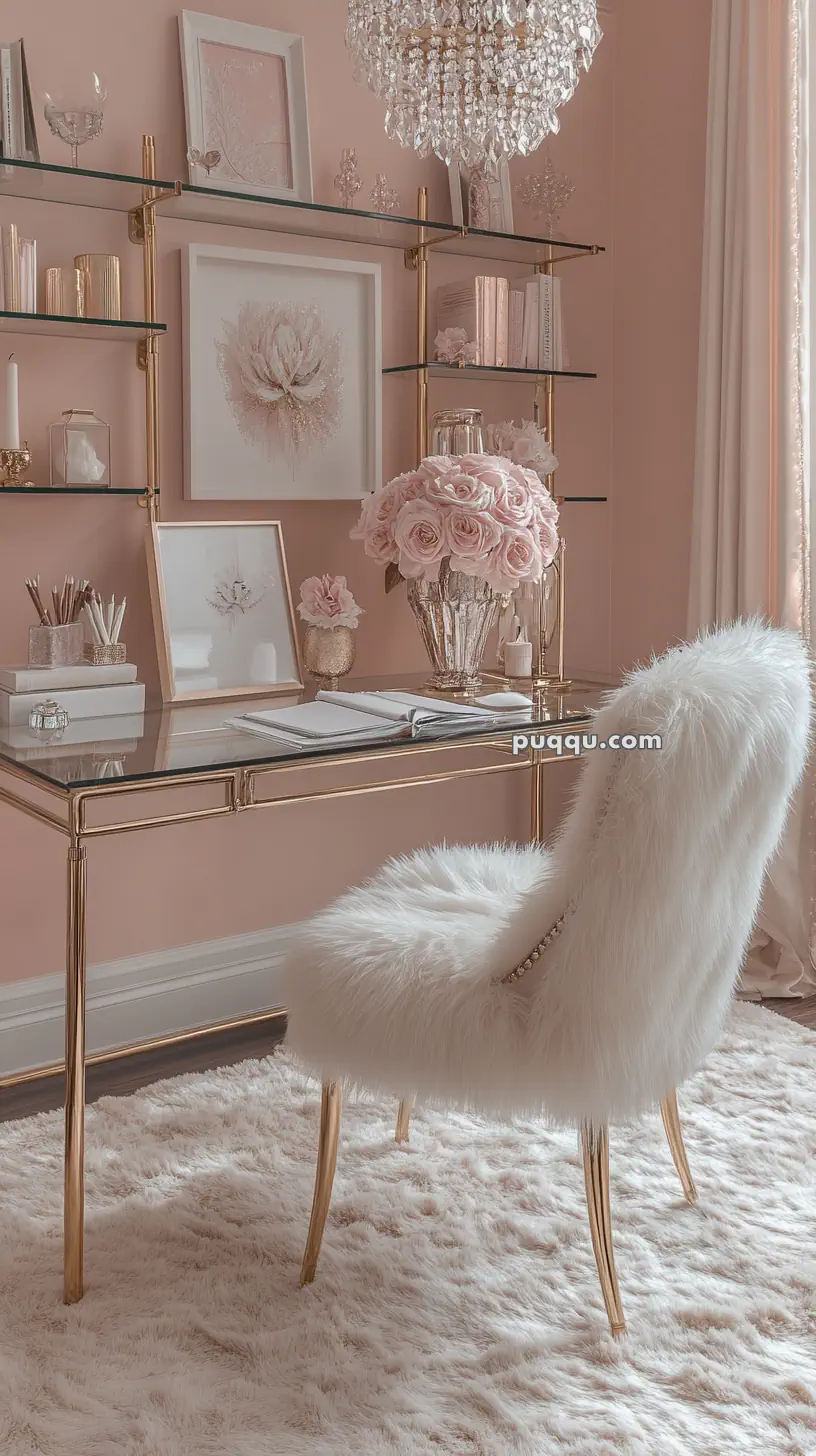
<point x="79" y="447"/>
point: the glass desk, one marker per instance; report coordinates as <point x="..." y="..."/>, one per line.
<point x="180" y="764"/>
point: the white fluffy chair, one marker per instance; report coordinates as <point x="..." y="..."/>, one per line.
<point x="586" y="982"/>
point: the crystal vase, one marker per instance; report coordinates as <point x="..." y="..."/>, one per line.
<point x="454" y="616"/>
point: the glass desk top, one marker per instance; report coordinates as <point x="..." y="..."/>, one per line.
<point x="186" y="739"/>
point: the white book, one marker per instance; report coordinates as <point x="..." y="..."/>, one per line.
<point x="531" y="321"/>
<point x="502" y="323"/>
<point x="10" y="266"/>
<point x="516" y="330"/>
<point x="546" y="353"/>
<point x="49" y="679"/>
<point x="78" y="702"/>
<point x="18" y="133"/>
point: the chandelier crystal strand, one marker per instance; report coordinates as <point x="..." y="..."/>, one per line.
<point x="472" y="80"/>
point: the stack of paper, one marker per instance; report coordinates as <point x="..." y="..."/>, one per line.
<point x="338" y="717"/>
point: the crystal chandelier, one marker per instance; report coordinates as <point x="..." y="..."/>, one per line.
<point x="472" y="80"/>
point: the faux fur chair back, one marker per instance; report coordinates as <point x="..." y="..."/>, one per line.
<point x="662" y="862"/>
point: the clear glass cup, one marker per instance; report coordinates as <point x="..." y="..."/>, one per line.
<point x="76" y="117"/>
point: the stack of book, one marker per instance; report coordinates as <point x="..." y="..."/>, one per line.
<point x="513" y="323"/>
<point x="18" y="271"/>
<point x="85" y="692"/>
<point x="18" y="134"/>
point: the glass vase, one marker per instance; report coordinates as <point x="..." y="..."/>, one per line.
<point x="454" y="616"/>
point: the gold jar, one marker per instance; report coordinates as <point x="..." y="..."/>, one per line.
<point x="328" y="653"/>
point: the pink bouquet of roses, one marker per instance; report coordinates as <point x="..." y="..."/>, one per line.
<point x="325" y="601"/>
<point x="489" y="517"/>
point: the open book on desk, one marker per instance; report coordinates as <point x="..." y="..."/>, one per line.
<point x="338" y="717"/>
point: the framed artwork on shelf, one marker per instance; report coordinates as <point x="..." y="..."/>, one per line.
<point x="245" y="106"/>
<point x="481" y="198"/>
<point x="222" y="610"/>
<point x="282" y="375"/>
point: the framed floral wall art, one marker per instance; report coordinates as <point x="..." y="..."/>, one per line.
<point x="283" y="375"/>
<point x="245" y="105"/>
<point x="222" y="610"/>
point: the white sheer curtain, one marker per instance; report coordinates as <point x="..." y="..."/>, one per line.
<point x="751" y="533"/>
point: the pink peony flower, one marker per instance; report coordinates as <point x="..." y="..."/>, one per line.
<point x="327" y="602"/>
<point x="517" y="558"/>
<point x="419" y="536"/>
<point x="470" y="536"/>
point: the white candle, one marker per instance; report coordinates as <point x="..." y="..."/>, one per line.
<point x="11" y="432"/>
<point x="518" y="659"/>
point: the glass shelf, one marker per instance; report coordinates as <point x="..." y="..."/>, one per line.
<point x="348" y="225"/>
<point x="64" y="326"/>
<point x="316" y="220"/>
<point x="582" y="500"/>
<point x="487" y="371"/>
<point x="120" y="191"/>
<point x="132" y="490"/>
<point x="73" y="186"/>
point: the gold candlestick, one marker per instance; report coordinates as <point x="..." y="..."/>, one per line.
<point x="14" y="465"/>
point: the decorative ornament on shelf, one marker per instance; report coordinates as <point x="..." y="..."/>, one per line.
<point x="546" y="194"/>
<point x="208" y="160"/>
<point x="452" y="346"/>
<point x="48" y="717"/>
<point x="472" y="81"/>
<point x="77" y="119"/>
<point x="332" y="616"/>
<point x="79" y="449"/>
<point x="383" y="197"/>
<point x="348" y="180"/>
<point x="465" y="531"/>
<point x="525" y="444"/>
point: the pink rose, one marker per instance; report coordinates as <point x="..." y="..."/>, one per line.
<point x="459" y="490"/>
<point x="487" y="469"/>
<point x="471" y="536"/>
<point x="410" y="486"/>
<point x="419" y="537"/>
<point x="379" y="544"/>
<point x="513" y="505"/>
<point x="548" y="540"/>
<point x="516" y="558"/>
<point x="327" y="602"/>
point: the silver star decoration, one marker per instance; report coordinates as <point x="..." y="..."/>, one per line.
<point x="547" y="194"/>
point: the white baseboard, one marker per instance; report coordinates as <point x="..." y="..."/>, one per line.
<point x="144" y="996"/>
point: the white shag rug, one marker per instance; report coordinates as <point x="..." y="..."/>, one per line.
<point x="456" y="1308"/>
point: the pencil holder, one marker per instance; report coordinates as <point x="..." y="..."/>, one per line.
<point x="104" y="654"/>
<point x="55" y="646"/>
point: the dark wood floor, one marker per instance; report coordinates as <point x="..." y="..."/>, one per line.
<point x="221" y="1049"/>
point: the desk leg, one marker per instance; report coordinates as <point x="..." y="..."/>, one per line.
<point x="537" y="805"/>
<point x="74" y="1205"/>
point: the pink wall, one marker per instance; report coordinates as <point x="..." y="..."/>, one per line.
<point x="661" y="103"/>
<point x="631" y="315"/>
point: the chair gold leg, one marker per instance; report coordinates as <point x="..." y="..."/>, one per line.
<point x="595" y="1146"/>
<point x="330" y="1110"/>
<point x="406" y="1107"/>
<point x="74" y="1176"/>
<point x="674" y="1133"/>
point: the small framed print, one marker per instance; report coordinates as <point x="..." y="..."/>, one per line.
<point x="245" y="105"/>
<point x="222" y="610"/>
<point x="481" y="197"/>
<point x="282" y="375"/>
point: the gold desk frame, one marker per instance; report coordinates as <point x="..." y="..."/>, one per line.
<point x="237" y="790"/>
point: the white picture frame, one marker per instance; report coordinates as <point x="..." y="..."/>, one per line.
<point x="459" y="178"/>
<point x="305" y="443"/>
<point x="245" y="100"/>
<point x="222" y="610"/>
